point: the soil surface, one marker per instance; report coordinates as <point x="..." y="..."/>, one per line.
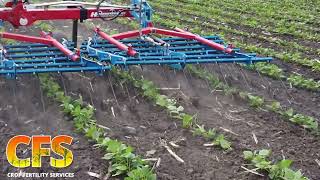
<point x="24" y="111"/>
<point x="139" y="123"/>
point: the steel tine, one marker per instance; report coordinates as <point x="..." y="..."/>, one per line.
<point x="63" y="84"/>
<point x="286" y="90"/>
<point x="207" y="82"/>
<point x="244" y="74"/>
<point x="111" y="85"/>
<point x="41" y="94"/>
<point x="13" y="86"/>
<point x="265" y="81"/>
<point x="90" y="92"/>
<point x="244" y="77"/>
<point x="185" y="75"/>
<point x="222" y="75"/>
<point x="134" y="89"/>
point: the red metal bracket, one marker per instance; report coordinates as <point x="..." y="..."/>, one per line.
<point x="19" y="37"/>
<point x="177" y="33"/>
<point x="207" y="42"/>
<point x="130" y="51"/>
<point x="73" y="56"/>
<point x="45" y="39"/>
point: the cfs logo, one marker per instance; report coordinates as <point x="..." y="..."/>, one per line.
<point x="38" y="152"/>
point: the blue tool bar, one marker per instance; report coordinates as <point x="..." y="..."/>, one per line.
<point x="148" y="44"/>
<point x="38" y="58"/>
<point x="157" y="53"/>
<point x="47" y="60"/>
<point x="41" y="49"/>
<point x="185" y="52"/>
<point x="182" y="49"/>
<point x="31" y="45"/>
<point x="48" y="65"/>
<point x="187" y="57"/>
<point x="154" y="49"/>
<point x="195" y="61"/>
<point x="34" y="55"/>
<point x="48" y="70"/>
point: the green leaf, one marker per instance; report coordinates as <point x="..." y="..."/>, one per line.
<point x="225" y="144"/>
<point x="265" y="153"/>
<point x="143" y="173"/>
<point x="180" y="109"/>
<point x="122" y="167"/>
<point x="114" y="146"/>
<point x="248" y="155"/>
<point x="119" y="172"/>
<point x="162" y="100"/>
<point x="289" y="174"/>
<point x="108" y="156"/>
<point x="275" y="106"/>
<point x="289" y="113"/>
<point x="222" y="142"/>
<point x="187" y="120"/>
<point x="255" y="101"/>
<point x="285" y="163"/>
<point x="262" y="164"/>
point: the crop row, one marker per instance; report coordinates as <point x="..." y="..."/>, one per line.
<point x="258" y="102"/>
<point x="270" y="70"/>
<point x="258" y="23"/>
<point x="279" y="170"/>
<point x="268" y="11"/>
<point x="275" y="72"/>
<point x="124" y="161"/>
<point x="291" y="57"/>
<point x="219" y="22"/>
<point x="255" y="101"/>
<point x="150" y="91"/>
<point x="267" y="69"/>
<point x="200" y="27"/>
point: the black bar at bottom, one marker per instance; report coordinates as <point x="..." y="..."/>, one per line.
<point x="75" y="32"/>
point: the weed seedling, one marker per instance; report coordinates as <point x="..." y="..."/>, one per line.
<point x="277" y="171"/>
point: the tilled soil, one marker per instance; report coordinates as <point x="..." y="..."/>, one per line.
<point x="301" y="100"/>
<point x="146" y="127"/>
<point x="216" y="110"/>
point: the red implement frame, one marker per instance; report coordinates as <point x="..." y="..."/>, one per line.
<point x="117" y="43"/>
<point x="45" y="39"/>
<point x="18" y="15"/>
<point x="145" y="31"/>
